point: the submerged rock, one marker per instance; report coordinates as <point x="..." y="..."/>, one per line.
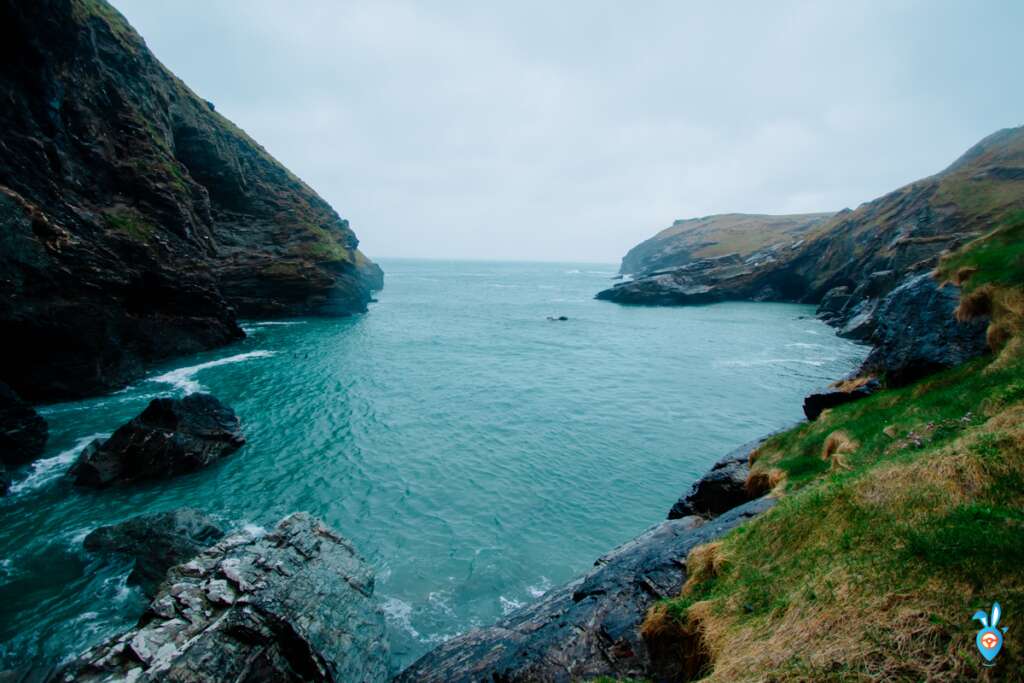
<point x="170" y="437"/>
<point x="588" y="627"/>
<point x="917" y="332"/>
<point x="294" y="605"/>
<point x="721" y="489"/>
<point x="844" y="392"/>
<point x="156" y="542"/>
<point x="23" y="432"/>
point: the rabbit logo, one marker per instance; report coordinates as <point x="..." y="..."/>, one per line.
<point x="990" y="638"/>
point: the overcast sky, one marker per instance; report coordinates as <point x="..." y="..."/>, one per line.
<point x="573" y="130"/>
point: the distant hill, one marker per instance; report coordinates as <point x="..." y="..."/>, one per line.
<point x="717" y="235"/>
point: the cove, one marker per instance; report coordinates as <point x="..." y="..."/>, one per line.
<point x="474" y="451"/>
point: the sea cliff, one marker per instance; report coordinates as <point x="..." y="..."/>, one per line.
<point x="138" y="222"/>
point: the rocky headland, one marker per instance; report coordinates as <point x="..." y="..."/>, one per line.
<point x="139" y="223"/>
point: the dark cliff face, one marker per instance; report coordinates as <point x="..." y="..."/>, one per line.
<point x="136" y="223"/>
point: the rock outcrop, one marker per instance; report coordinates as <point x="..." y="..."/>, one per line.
<point x="589" y="627"/>
<point x="23" y="432"/>
<point x="839" y="394"/>
<point x="294" y="605"/>
<point x="721" y="489"/>
<point x="156" y="542"/>
<point x="137" y="221"/>
<point x="170" y="437"/>
<point x="917" y="331"/>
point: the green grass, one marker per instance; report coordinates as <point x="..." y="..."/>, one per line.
<point x="129" y="222"/>
<point x="998" y="257"/>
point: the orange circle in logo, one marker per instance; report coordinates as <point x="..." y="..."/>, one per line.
<point x="989" y="640"/>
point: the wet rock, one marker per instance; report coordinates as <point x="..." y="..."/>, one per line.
<point x="833" y="302"/>
<point x="294" y="605"/>
<point x="815" y="404"/>
<point x="917" y="332"/>
<point x="859" y="321"/>
<point x="589" y="627"/>
<point x="170" y="437"/>
<point x="722" y="488"/>
<point x="23" y="432"/>
<point x="5" y="480"/>
<point x="156" y="542"/>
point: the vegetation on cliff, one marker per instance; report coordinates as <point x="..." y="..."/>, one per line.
<point x="138" y="221"/>
<point x="711" y="236"/>
<point x="899" y="516"/>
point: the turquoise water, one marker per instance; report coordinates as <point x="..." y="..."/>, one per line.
<point x="475" y="452"/>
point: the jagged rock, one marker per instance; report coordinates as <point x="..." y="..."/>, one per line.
<point x="833" y="301"/>
<point x="156" y="542"/>
<point x="23" y="432"/>
<point x="816" y="403"/>
<point x="589" y="627"/>
<point x="294" y="605"/>
<point x="859" y="322"/>
<point x="170" y="437"/>
<point x="722" y="488"/>
<point x="918" y="333"/>
<point x="138" y="222"/>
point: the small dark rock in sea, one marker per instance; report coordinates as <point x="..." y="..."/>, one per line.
<point x="5" y="480"/>
<point x="917" y="332"/>
<point x="22" y="431"/>
<point x="170" y="437"/>
<point x="816" y="403"/>
<point x="722" y="488"/>
<point x="557" y="318"/>
<point x="590" y="627"/>
<point x="156" y="542"/>
<point x="294" y="605"/>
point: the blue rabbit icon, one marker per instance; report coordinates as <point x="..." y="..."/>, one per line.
<point x="990" y="638"/>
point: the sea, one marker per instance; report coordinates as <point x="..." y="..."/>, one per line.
<point x="476" y="451"/>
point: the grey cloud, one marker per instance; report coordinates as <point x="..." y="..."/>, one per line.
<point x="571" y="131"/>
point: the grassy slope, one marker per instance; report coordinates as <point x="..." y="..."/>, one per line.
<point x="900" y="515"/>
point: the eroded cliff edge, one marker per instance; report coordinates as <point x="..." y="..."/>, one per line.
<point x="136" y="222"/>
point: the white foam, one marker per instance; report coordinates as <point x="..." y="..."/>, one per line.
<point x="542" y="587"/>
<point x="400" y="612"/>
<point x="769" y="361"/>
<point x="184" y="378"/>
<point x="50" y="468"/>
<point x="507" y="605"/>
<point x="254" y="530"/>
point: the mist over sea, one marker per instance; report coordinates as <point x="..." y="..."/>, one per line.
<point x="476" y="452"/>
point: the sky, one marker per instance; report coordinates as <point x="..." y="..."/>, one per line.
<point x="572" y="130"/>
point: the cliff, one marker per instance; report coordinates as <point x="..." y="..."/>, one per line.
<point x="693" y="239"/>
<point x="860" y="256"/>
<point x="137" y="221"/>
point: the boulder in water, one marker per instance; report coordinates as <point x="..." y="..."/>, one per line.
<point x="294" y="605"/>
<point x="156" y="542"/>
<point x="170" y="437"/>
